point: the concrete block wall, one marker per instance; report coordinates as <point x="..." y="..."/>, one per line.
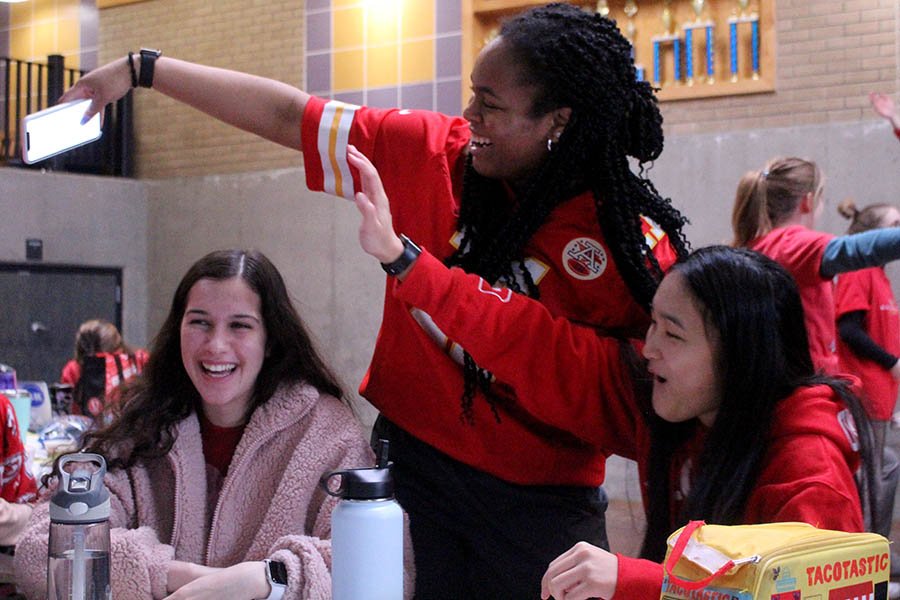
<point x="263" y="37"/>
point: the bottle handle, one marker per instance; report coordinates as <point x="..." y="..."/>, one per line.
<point x="82" y="457"/>
<point x="327" y="477"/>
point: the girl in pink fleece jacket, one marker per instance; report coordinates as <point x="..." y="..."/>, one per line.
<point x="217" y="451"/>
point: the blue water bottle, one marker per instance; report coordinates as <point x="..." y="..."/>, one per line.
<point x="366" y="533"/>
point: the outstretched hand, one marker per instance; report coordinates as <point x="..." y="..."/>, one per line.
<point x="376" y="233"/>
<point x="104" y="85"/>
<point x="884" y="106"/>
<point x="582" y="572"/>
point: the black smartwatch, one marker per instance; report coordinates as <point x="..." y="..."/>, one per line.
<point x="148" y="61"/>
<point x="278" y="578"/>
<point x="410" y="253"/>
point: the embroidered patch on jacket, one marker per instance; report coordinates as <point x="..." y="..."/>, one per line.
<point x="584" y="258"/>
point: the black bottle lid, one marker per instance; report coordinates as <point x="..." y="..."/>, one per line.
<point x="365" y="483"/>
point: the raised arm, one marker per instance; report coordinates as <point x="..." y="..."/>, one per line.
<point x="266" y="107"/>
<point x="578" y="381"/>
<point x="884" y="106"/>
<point x="871" y="248"/>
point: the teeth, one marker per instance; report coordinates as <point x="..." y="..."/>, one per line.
<point x="480" y="141"/>
<point x="219" y="368"/>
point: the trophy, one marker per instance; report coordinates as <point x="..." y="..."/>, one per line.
<point x="630" y="10"/>
<point x="668" y="36"/>
<point x="668" y="20"/>
<point x="742" y="16"/>
<point x="689" y="28"/>
<point x="697" y="5"/>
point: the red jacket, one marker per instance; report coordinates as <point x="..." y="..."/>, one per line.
<point x="800" y="251"/>
<point x="415" y="377"/>
<point x="807" y="470"/>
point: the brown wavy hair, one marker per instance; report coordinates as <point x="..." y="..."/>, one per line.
<point x="153" y="403"/>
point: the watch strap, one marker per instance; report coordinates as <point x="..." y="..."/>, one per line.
<point x="410" y="253"/>
<point x="148" y="63"/>
<point x="277" y="573"/>
<point x="134" y="78"/>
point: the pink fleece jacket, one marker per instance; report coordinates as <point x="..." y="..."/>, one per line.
<point x="269" y="505"/>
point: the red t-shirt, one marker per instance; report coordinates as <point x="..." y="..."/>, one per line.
<point x="800" y="250"/>
<point x="870" y="290"/>
<point x="415" y="377"/>
<point x="219" y="443"/>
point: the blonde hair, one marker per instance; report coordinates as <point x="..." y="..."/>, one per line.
<point x="767" y="197"/>
<point x="863" y="220"/>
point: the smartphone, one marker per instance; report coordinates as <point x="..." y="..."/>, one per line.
<point x="56" y="129"/>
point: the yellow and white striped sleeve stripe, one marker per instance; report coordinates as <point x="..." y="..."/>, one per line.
<point x="334" y="134"/>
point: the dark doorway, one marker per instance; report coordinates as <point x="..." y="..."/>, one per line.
<point x="41" y="307"/>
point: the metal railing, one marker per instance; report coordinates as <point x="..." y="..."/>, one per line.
<point x="28" y="87"/>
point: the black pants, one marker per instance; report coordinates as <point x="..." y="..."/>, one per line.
<point x="477" y="536"/>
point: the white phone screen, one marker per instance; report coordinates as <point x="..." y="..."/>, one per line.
<point x="57" y="129"/>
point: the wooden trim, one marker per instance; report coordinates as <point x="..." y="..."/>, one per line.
<point x="112" y="3"/>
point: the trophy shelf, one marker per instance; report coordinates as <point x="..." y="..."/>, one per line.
<point x="751" y="22"/>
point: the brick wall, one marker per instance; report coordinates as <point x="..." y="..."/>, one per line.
<point x="263" y="37"/>
<point x="830" y="54"/>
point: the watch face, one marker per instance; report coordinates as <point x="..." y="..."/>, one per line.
<point x="278" y="571"/>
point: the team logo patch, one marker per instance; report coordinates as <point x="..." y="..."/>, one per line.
<point x="584" y="258"/>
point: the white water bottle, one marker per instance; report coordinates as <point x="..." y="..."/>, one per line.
<point x="366" y="534"/>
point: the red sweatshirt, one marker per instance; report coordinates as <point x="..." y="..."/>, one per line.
<point x="807" y="470"/>
<point x="415" y="377"/>
<point x="800" y="250"/>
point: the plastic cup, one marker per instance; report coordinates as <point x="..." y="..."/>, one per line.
<point x="21" y="402"/>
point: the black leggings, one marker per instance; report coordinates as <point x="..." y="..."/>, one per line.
<point x="477" y="536"/>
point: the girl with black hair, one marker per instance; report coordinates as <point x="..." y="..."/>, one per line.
<point x="533" y="192"/>
<point x="738" y="427"/>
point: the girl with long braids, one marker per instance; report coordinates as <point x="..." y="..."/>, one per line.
<point x="727" y="418"/>
<point x="775" y="212"/>
<point x="533" y="194"/>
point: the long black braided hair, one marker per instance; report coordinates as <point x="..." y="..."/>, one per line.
<point x="578" y="60"/>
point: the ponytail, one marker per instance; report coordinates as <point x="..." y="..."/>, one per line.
<point x="765" y="199"/>
<point x="750" y="217"/>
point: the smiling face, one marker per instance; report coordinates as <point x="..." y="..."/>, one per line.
<point x="681" y="356"/>
<point x="223" y="345"/>
<point x="508" y="142"/>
